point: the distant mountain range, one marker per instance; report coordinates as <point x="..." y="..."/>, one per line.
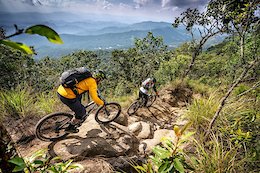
<point x="90" y="34"/>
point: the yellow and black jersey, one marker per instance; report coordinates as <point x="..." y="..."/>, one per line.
<point x="88" y="84"/>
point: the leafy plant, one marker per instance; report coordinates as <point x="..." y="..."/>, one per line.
<point x="42" y="163"/>
<point x="169" y="156"/>
<point x="41" y="30"/>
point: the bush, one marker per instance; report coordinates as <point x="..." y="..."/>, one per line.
<point x="169" y="156"/>
<point x="42" y="163"/>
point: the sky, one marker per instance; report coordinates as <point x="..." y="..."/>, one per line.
<point x="154" y="10"/>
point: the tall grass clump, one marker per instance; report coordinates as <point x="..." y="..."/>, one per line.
<point x="17" y="103"/>
<point x="200" y="88"/>
<point x="201" y="111"/>
<point x="241" y="126"/>
<point x="235" y="144"/>
<point x="218" y="156"/>
<point x="47" y="103"/>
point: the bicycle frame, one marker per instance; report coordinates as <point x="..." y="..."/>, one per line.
<point x="142" y="100"/>
<point x="92" y="103"/>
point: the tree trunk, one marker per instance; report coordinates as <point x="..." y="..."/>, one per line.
<point x="7" y="150"/>
<point x="242" y="48"/>
<point x="192" y="62"/>
<point x="197" y="51"/>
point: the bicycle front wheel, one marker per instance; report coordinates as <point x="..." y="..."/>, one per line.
<point x="52" y="126"/>
<point x="133" y="107"/>
<point x="151" y="100"/>
<point x="108" y="113"/>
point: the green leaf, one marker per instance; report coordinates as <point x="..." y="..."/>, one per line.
<point x="17" y="161"/>
<point x="38" y="162"/>
<point x="37" y="154"/>
<point x="167" y="143"/>
<point x="178" y="165"/>
<point x="19" y="46"/>
<point x="18" y="169"/>
<point x="45" y="31"/>
<point x="170" y="168"/>
<point x="53" y="170"/>
<point x="67" y="164"/>
<point x="140" y="168"/>
<point x="155" y="160"/>
<point x="164" y="166"/>
<point x="75" y="166"/>
<point x="185" y="127"/>
<point x="161" y="152"/>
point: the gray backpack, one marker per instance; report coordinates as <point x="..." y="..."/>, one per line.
<point x="70" y="78"/>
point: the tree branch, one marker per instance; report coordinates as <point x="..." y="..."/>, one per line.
<point x="223" y="100"/>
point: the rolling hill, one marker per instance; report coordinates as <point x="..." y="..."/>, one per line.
<point x="89" y="34"/>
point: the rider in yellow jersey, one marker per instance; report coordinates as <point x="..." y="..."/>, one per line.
<point x="73" y="101"/>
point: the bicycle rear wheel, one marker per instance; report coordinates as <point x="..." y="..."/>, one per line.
<point x="108" y="113"/>
<point x="52" y="126"/>
<point x="151" y="100"/>
<point x="133" y="107"/>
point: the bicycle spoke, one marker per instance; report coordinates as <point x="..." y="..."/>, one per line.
<point x="53" y="126"/>
<point x="108" y="113"/>
<point x="133" y="108"/>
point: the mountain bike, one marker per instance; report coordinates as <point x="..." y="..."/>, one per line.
<point x="52" y="127"/>
<point x="139" y="103"/>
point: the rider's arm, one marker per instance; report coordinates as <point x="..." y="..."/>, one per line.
<point x="93" y="92"/>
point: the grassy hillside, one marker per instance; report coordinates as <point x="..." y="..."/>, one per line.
<point x="28" y="88"/>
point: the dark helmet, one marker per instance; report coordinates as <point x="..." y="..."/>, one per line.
<point x="154" y="80"/>
<point x="99" y="74"/>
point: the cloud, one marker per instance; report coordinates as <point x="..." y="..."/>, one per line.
<point x="143" y="3"/>
<point x="144" y="9"/>
<point x="183" y="3"/>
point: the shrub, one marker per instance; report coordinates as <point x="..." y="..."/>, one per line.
<point x="42" y="163"/>
<point x="169" y="156"/>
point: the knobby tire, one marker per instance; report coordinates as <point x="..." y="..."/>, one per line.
<point x="133" y="107"/>
<point x="151" y="100"/>
<point x="108" y="113"/>
<point x="50" y="122"/>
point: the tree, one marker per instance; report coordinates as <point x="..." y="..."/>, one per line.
<point x="202" y="26"/>
<point x="239" y="17"/>
<point x="136" y="64"/>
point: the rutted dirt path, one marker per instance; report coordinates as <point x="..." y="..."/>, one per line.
<point x="119" y="142"/>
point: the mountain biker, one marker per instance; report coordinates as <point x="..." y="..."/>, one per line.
<point x="73" y="101"/>
<point x="145" y="86"/>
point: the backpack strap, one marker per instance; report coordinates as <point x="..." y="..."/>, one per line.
<point x="75" y="91"/>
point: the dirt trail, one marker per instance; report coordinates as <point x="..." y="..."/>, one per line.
<point x="106" y="144"/>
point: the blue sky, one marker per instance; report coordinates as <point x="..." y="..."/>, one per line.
<point x="155" y="10"/>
